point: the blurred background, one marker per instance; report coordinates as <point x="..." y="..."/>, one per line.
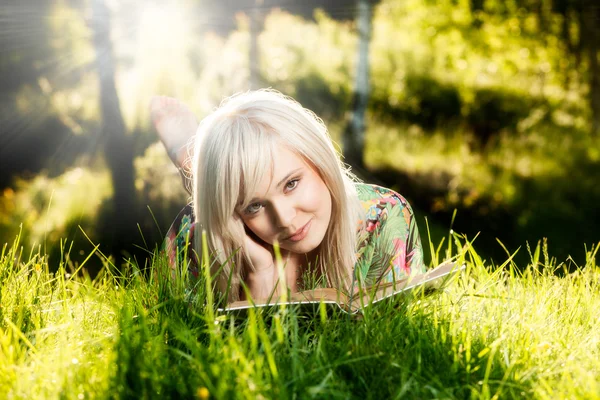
<point x="486" y="108"/>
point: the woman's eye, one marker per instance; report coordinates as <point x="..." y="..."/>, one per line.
<point x="291" y="185"/>
<point x="253" y="208"/>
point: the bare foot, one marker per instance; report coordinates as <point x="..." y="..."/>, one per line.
<point x="176" y="124"/>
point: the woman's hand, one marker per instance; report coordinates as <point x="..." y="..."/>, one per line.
<point x="260" y="253"/>
<point x="262" y="280"/>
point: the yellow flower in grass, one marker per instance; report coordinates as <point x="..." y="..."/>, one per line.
<point x="544" y="346"/>
<point x="202" y="393"/>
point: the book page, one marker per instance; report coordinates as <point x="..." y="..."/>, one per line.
<point x="437" y="276"/>
<point x="327" y="295"/>
<point x="430" y="279"/>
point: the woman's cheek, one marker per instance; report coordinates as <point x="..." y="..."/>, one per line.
<point x="310" y="197"/>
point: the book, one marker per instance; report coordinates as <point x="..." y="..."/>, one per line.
<point x="354" y="303"/>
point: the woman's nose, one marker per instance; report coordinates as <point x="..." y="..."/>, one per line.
<point x="283" y="214"/>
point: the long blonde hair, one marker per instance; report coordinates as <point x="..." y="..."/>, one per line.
<point x="234" y="150"/>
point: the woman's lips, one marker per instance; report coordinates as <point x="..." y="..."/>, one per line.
<point x="301" y="234"/>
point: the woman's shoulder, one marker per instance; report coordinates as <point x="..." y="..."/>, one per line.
<point x="370" y="194"/>
<point x="379" y="204"/>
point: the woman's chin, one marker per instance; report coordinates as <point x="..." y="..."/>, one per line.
<point x="302" y="247"/>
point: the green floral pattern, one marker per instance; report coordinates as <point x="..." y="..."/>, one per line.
<point x="389" y="247"/>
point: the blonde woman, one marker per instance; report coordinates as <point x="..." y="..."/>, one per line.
<point x="264" y="170"/>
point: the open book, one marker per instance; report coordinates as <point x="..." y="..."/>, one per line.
<point x="353" y="303"/>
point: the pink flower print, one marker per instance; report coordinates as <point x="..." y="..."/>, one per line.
<point x="389" y="200"/>
<point x="398" y="245"/>
<point x="372" y="225"/>
<point x="401" y="268"/>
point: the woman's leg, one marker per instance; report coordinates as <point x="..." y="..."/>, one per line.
<point x="176" y="125"/>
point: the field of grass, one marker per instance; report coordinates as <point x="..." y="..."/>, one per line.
<point x="493" y="333"/>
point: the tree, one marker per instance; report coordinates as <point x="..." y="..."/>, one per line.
<point x="118" y="146"/>
<point x="584" y="15"/>
<point x="590" y="35"/>
<point x="257" y="20"/>
<point x="355" y="129"/>
<point x="579" y="33"/>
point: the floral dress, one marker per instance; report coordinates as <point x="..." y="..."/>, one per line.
<point x="388" y="243"/>
<point x="389" y="247"/>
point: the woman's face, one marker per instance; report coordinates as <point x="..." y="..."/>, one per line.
<point x="291" y="205"/>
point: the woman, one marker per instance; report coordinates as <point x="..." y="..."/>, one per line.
<point x="265" y="170"/>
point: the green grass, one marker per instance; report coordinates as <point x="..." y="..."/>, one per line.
<point x="494" y="333"/>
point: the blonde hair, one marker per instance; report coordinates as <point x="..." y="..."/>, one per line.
<point x="234" y="150"/>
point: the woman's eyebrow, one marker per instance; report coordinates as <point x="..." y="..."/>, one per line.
<point x="281" y="182"/>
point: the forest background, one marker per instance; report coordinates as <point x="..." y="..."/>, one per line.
<point x="484" y="108"/>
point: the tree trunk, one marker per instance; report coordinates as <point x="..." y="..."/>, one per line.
<point x="355" y="129"/>
<point x="590" y="34"/>
<point x="594" y="69"/>
<point x="256" y="25"/>
<point x="118" y="146"/>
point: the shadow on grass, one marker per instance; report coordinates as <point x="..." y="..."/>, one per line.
<point x="395" y="351"/>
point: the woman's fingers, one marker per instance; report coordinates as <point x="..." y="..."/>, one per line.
<point x="260" y="254"/>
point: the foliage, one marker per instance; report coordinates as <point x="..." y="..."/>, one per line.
<point x="539" y="184"/>
<point x="479" y="106"/>
<point x="44" y="209"/>
<point x="471" y="109"/>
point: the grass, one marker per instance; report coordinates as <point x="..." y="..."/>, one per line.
<point x="494" y="333"/>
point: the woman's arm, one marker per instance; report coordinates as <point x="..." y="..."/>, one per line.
<point x="178" y="243"/>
